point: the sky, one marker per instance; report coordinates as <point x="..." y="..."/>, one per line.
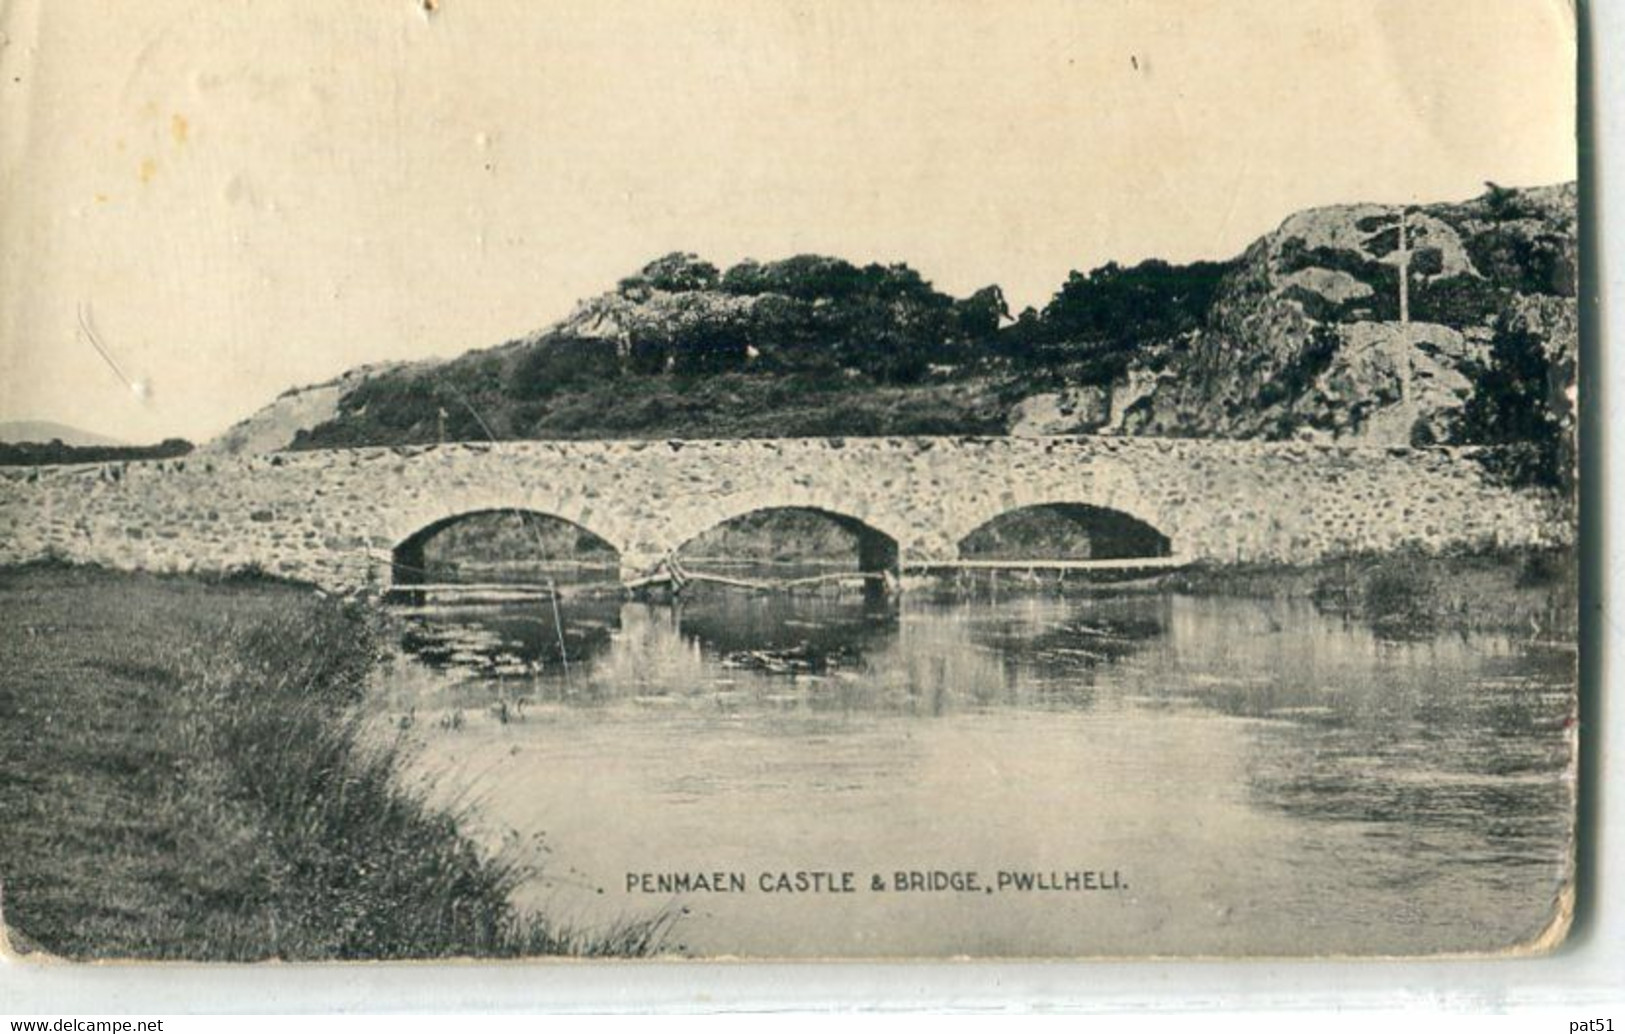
<point x="234" y="197"/>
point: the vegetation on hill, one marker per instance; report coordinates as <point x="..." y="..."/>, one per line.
<point x="1099" y="325"/>
<point x="1301" y="336"/>
<point x="807" y="346"/>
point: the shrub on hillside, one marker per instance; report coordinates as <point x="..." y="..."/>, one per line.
<point x="1509" y="411"/>
<point x="1100" y="322"/>
<point x="556" y="364"/>
<point x="678" y="271"/>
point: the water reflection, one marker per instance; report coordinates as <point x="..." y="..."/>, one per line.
<point x="516" y="639"/>
<point x="789" y="635"/>
<point x="1037" y="650"/>
<point x="1259" y="767"/>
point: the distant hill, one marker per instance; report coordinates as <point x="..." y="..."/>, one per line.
<point x="45" y="431"/>
<point x="1300" y="336"/>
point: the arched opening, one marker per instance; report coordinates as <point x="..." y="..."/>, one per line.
<point x="1064" y="531"/>
<point x="503" y="546"/>
<point x="829" y="579"/>
<point x="788" y="540"/>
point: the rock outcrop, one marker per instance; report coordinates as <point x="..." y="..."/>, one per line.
<point x="1306" y="338"/>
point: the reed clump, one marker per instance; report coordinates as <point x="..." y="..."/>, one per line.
<point x="1528" y="593"/>
<point x="1399" y="600"/>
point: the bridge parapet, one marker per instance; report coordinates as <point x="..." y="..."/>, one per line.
<point x="335" y="516"/>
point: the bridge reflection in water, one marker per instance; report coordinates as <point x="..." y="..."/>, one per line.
<point x="1252" y="767"/>
<point x="604" y="648"/>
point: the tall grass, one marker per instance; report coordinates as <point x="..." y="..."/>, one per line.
<point x="1530" y="594"/>
<point x="183" y="775"/>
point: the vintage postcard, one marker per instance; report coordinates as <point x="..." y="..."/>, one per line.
<point x="706" y="479"/>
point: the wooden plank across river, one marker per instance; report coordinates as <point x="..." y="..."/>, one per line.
<point x="501" y="591"/>
<point x="758" y="585"/>
<point x="1137" y="563"/>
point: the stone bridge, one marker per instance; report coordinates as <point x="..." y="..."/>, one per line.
<point x="341" y="518"/>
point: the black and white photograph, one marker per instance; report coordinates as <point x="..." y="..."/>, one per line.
<point x="1050" y="479"/>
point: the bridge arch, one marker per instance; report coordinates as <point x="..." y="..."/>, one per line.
<point x="1064" y="531"/>
<point x="876" y="549"/>
<point x="409" y="561"/>
<point x="1112" y="482"/>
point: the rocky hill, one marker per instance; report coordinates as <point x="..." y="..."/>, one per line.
<point x="1305" y="337"/>
<point x="1305" y="334"/>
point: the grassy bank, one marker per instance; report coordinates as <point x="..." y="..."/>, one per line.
<point x="182" y="776"/>
<point x="1530" y="593"/>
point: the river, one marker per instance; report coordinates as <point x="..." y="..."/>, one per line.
<point x="1218" y="775"/>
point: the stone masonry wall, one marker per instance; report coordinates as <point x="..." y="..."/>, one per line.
<point x="333" y="517"/>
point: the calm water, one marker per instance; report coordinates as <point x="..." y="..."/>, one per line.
<point x="1237" y="775"/>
